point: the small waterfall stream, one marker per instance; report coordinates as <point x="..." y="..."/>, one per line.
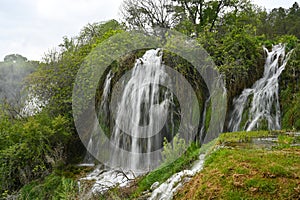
<point x="32" y="105"/>
<point x="104" y="100"/>
<point x="166" y="190"/>
<point x="264" y="94"/>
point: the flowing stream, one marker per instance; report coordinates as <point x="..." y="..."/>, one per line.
<point x="166" y="190"/>
<point x="263" y="95"/>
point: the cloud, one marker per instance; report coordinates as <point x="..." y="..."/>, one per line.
<point x="73" y="8"/>
<point x="32" y="27"/>
<point x="270" y="4"/>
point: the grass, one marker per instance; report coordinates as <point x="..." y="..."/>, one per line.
<point x="161" y="174"/>
<point x="52" y="187"/>
<point x="166" y="171"/>
<point x="60" y="184"/>
<point x="231" y="173"/>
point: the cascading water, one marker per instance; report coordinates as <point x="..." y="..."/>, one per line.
<point x="144" y="109"/>
<point x="167" y="189"/>
<point x="104" y="99"/>
<point x="202" y="130"/>
<point x="104" y="110"/>
<point x="141" y="114"/>
<point x="264" y="93"/>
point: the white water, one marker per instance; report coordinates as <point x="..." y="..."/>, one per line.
<point x="167" y="189"/>
<point x="93" y="141"/>
<point x="202" y="130"/>
<point x="105" y="94"/>
<point x="265" y="102"/>
<point x="106" y="179"/>
<point x="141" y="114"/>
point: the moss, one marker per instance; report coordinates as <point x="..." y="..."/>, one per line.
<point x="290" y="91"/>
<point x="241" y="136"/>
<point x="247" y="173"/>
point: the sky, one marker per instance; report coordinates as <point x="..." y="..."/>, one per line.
<point x="34" y="27"/>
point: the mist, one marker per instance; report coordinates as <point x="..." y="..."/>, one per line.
<point x="13" y="93"/>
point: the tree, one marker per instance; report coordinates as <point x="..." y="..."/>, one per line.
<point x="94" y="31"/>
<point x="281" y="21"/>
<point x="187" y="16"/>
<point x="148" y="13"/>
<point x="293" y="20"/>
<point x="53" y="82"/>
<point x="14" y="58"/>
<point x="200" y="13"/>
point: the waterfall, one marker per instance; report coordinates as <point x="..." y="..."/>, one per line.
<point x="143" y="117"/>
<point x="264" y="93"/>
<point x="104" y="100"/>
<point x="104" y="110"/>
<point x="202" y="129"/>
<point x="141" y="114"/>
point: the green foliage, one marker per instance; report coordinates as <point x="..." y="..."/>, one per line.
<point x="241" y="136"/>
<point x="29" y="149"/>
<point x="172" y="150"/>
<point x="281" y="21"/>
<point x="231" y="31"/>
<point x="290" y="90"/>
<point x="239" y="48"/>
<point x="238" y="55"/>
<point x="52" y="187"/>
<point x="54" y="80"/>
<point x="291" y="41"/>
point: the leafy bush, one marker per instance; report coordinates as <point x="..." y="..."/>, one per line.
<point x="30" y="148"/>
<point x="53" y="187"/>
<point x="172" y="150"/>
<point x="290" y="91"/>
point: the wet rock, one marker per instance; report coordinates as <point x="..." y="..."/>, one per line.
<point x="154" y="186"/>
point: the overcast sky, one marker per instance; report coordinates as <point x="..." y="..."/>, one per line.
<point x="33" y="27"/>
